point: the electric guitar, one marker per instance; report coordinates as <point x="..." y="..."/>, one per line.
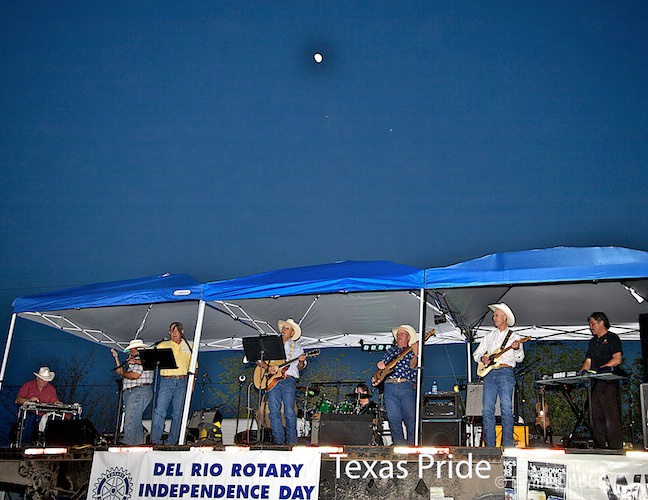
<point x="484" y="368"/>
<point x="380" y="375"/>
<point x="264" y="380"/>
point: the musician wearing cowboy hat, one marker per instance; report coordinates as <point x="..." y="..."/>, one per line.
<point x="400" y="386"/>
<point x="284" y="391"/>
<point x="136" y="391"/>
<point x="38" y="390"/>
<point x="500" y="381"/>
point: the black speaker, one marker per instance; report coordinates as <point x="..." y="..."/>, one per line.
<point x="643" y="336"/>
<point x="345" y="429"/>
<point x="643" y="393"/>
<point x="441" y="432"/>
<point x="70" y="432"/>
<point x="252" y="437"/>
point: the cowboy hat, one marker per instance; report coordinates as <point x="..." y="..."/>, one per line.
<point x="296" y="328"/>
<point x="45" y="374"/>
<point x="510" y="317"/>
<point x="135" y="344"/>
<point x="409" y="329"/>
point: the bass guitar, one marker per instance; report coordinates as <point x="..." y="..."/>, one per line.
<point x="484" y="368"/>
<point x="380" y="375"/>
<point x="264" y="380"/>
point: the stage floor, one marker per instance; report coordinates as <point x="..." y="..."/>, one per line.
<point x="359" y="472"/>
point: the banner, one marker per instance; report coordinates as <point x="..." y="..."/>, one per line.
<point x="257" y="474"/>
<point x="535" y="476"/>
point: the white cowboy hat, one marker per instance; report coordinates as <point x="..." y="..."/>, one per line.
<point x="296" y="328"/>
<point x="45" y="374"/>
<point x="135" y="344"/>
<point x="510" y="317"/>
<point x="409" y="329"/>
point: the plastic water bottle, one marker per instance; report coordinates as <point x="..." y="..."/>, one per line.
<point x="434" y="387"/>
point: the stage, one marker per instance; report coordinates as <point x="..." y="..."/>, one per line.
<point x="346" y="472"/>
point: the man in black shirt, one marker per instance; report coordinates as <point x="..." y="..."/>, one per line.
<point x="604" y="351"/>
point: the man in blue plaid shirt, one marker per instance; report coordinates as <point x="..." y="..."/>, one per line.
<point x="136" y="392"/>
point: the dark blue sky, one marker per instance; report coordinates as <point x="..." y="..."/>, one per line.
<point x="200" y="137"/>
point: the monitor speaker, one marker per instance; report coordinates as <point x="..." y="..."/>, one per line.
<point x="70" y="432"/>
<point x="643" y="336"/>
<point x="345" y="429"/>
<point x="440" y="432"/>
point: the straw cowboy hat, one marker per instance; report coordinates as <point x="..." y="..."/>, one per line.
<point x="409" y="329"/>
<point x="510" y="317"/>
<point x="296" y="328"/>
<point x="135" y="344"/>
<point x="45" y="374"/>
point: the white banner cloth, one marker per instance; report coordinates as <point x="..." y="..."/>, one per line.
<point x="259" y="474"/>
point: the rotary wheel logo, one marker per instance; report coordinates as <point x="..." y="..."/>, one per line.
<point x="114" y="484"/>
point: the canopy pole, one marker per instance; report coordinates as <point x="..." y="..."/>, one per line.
<point x="5" y="357"/>
<point x="192" y="370"/>
<point x="469" y="356"/>
<point x="419" y="371"/>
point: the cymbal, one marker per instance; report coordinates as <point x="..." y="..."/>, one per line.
<point x="312" y="391"/>
<point x="354" y="395"/>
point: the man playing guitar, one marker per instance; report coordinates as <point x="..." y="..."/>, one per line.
<point x="284" y="390"/>
<point x="500" y="382"/>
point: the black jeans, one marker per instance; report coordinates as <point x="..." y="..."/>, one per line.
<point x="606" y="415"/>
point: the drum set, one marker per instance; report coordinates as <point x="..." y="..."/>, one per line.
<point x="323" y="398"/>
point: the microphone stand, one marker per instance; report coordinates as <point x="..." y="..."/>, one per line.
<point x="156" y="376"/>
<point x="238" y="405"/>
<point x="120" y="409"/>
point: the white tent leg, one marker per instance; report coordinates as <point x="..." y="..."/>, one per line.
<point x="5" y="357"/>
<point x="419" y="371"/>
<point x="469" y="359"/>
<point x="192" y="370"/>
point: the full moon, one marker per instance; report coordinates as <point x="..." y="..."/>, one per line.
<point x="318" y="57"/>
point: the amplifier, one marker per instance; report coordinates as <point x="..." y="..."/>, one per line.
<point x="443" y="405"/>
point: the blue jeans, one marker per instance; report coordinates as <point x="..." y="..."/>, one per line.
<point x="30" y="428"/>
<point x="499" y="382"/>
<point x="171" y="390"/>
<point x="283" y="392"/>
<point x="135" y="402"/>
<point x="400" y="403"/>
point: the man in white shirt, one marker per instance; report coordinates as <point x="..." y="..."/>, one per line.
<point x="284" y="391"/>
<point x="499" y="381"/>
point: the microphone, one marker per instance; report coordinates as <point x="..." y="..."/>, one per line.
<point x="164" y="339"/>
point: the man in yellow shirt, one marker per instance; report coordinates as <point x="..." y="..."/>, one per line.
<point x="173" y="386"/>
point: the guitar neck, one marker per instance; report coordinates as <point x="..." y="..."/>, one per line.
<point x="496" y="355"/>
<point x="406" y="351"/>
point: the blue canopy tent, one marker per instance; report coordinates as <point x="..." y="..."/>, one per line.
<point x="551" y="291"/>
<point x="337" y="304"/>
<point x="113" y="313"/>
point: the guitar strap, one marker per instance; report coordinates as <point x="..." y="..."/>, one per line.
<point x="508" y="336"/>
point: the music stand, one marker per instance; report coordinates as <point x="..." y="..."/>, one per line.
<point x="263" y="348"/>
<point x="156" y="359"/>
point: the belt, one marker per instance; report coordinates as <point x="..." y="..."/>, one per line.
<point x="136" y="387"/>
<point x="174" y="376"/>
<point x="504" y="365"/>
<point x="396" y="380"/>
